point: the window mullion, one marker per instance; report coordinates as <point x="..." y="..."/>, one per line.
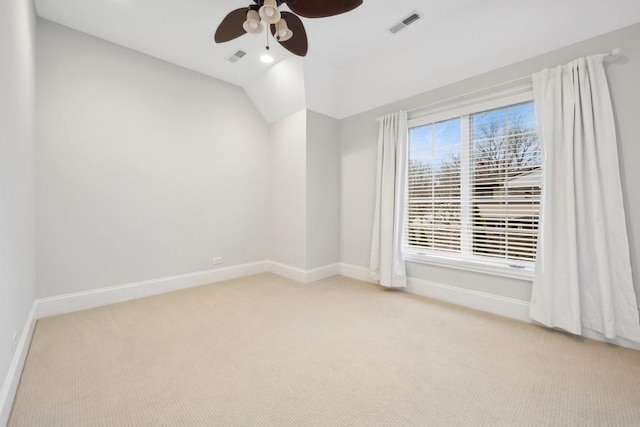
<point x="466" y="236"/>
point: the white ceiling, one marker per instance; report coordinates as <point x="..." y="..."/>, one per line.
<point x="368" y="66"/>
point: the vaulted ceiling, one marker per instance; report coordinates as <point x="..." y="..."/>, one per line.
<point x="354" y="62"/>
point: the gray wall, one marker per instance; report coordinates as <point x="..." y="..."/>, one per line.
<point x="287" y="190"/>
<point x="17" y="226"/>
<point x="323" y="190"/>
<point x="144" y="169"/>
<point x="358" y="139"/>
<point x="304" y="191"/>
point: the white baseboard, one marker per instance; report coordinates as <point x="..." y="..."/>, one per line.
<point x="110" y="295"/>
<point x="321" y="273"/>
<point x="355" y="272"/>
<point x="303" y="276"/>
<point x="10" y="386"/>
<point x="84" y="300"/>
<point x="288" y="271"/>
<point x="502" y="306"/>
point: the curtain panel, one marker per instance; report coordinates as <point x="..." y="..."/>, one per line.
<point x="583" y="271"/>
<point x="387" y="264"/>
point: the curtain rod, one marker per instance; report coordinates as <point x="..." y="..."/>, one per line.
<point x="614" y="52"/>
<point x="468" y="94"/>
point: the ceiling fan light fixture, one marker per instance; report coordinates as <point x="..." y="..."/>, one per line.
<point x="283" y="33"/>
<point x="291" y="34"/>
<point x="269" y="12"/>
<point x="252" y="25"/>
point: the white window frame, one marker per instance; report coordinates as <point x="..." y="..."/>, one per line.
<point x="522" y="270"/>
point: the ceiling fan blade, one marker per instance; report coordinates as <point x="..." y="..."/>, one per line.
<point x="322" y="8"/>
<point x="231" y="26"/>
<point x="298" y="44"/>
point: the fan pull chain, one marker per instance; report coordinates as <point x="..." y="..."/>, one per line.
<point x="268" y="29"/>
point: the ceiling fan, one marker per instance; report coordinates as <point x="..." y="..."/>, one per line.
<point x="286" y="27"/>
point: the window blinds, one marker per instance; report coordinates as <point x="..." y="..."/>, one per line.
<point x="474" y="185"/>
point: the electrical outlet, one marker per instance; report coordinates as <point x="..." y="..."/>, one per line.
<point x="14" y="342"/>
<point x="217" y="261"/>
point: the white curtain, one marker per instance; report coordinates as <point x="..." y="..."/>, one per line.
<point x="387" y="265"/>
<point x="583" y="269"/>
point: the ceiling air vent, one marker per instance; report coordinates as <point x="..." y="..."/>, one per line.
<point x="405" y="22"/>
<point x="237" y="56"/>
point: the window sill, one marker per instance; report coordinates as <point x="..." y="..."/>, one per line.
<point x="474" y="266"/>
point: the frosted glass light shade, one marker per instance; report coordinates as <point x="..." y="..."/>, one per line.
<point x="283" y="33"/>
<point x="252" y="25"/>
<point x="269" y="12"/>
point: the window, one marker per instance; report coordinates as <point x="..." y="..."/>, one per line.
<point x="474" y="183"/>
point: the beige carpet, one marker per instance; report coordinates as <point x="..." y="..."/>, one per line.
<point x="265" y="351"/>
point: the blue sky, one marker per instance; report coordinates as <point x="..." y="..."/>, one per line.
<point x="438" y="142"/>
<point x="523" y="114"/>
<point x="435" y="143"/>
